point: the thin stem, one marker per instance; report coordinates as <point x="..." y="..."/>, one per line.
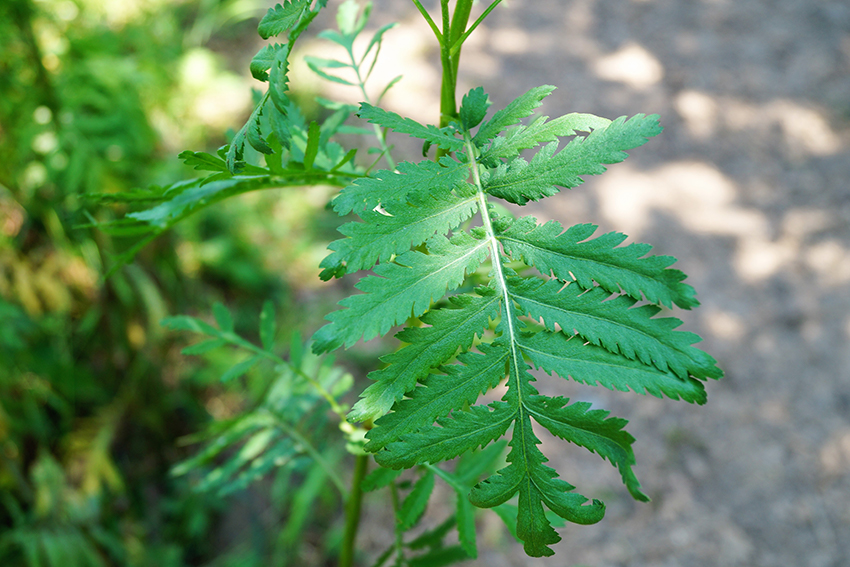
<point x="379" y="133"/>
<point x="428" y="19"/>
<point x="315" y="454"/>
<point x="352" y="511"/>
<point x="448" y="106"/>
<point x="456" y="44"/>
<point x="239" y="341"/>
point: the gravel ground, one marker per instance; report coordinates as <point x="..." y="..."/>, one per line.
<point x="748" y="187"/>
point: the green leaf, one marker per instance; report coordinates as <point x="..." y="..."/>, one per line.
<point x="278" y="87"/>
<point x="614" y="324"/>
<point x="312" y="149"/>
<point x="449" y="328"/>
<point x="572" y="255"/>
<point x="203" y="347"/>
<point x="380" y="478"/>
<point x="387" y="187"/>
<point x="265" y="59"/>
<point x="466" y="525"/>
<point x="253" y="133"/>
<point x="591" y="429"/>
<point x="186" y="323"/>
<point x="516" y="110"/>
<point x="439" y="394"/>
<point x="440" y="557"/>
<point x="536" y="485"/>
<point x="572" y="321"/>
<point x="394" y="230"/>
<point x="195" y="196"/>
<point x="346" y="17"/>
<point x="203" y="161"/>
<point x="440" y="137"/>
<point x="463" y="431"/>
<point x="519" y="181"/>
<point x="282" y="17"/>
<point x="540" y="131"/>
<point x="316" y="65"/>
<point x="400" y="289"/>
<point x="473" y="108"/>
<point x="590" y="364"/>
<point x="240" y="368"/>
<point x="222" y="317"/>
<point x="267" y="326"/>
<point x="415" y="503"/>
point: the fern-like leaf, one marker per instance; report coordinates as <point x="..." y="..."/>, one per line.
<point x="578" y="318"/>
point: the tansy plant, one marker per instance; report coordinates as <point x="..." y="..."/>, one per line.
<point x="484" y="298"/>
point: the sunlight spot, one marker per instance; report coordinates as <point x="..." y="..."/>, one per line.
<point x="699" y="112"/>
<point x="835" y="454"/>
<point x="805" y="130"/>
<point x="632" y="65"/>
<point x="509" y="41"/>
<point x="42" y="115"/>
<point x="726" y="325"/>
<point x="758" y="258"/>
<point x="830" y="260"/>
<point x="696" y="193"/>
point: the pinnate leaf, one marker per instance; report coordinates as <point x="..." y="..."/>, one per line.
<point x="440" y="137"/>
<point x="400" y="290"/>
<point x="578" y="319"/>
<point x="519" y="108"/>
<point x="448" y="329"/>
<point x="520" y="181"/>
<point x="409" y="179"/>
<point x="571" y="254"/>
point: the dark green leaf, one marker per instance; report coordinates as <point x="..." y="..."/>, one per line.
<point x="473" y="108"/>
<point x="414" y="504"/>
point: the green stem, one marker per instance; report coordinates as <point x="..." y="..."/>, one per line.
<point x="459" y="20"/>
<point x="448" y="105"/>
<point x="379" y="132"/>
<point x="235" y="339"/>
<point x="352" y="511"/>
<point x="314" y="453"/>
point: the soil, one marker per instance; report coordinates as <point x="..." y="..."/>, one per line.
<point x="748" y="187"/>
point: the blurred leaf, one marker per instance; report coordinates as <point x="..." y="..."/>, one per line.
<point x="267" y="326"/>
<point x="240" y="368"/>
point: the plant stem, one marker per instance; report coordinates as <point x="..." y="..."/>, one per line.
<point x="448" y="105"/>
<point x="459" y="20"/>
<point x="352" y="511"/>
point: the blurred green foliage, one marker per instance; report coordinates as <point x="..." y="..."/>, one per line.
<point x="94" y="396"/>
